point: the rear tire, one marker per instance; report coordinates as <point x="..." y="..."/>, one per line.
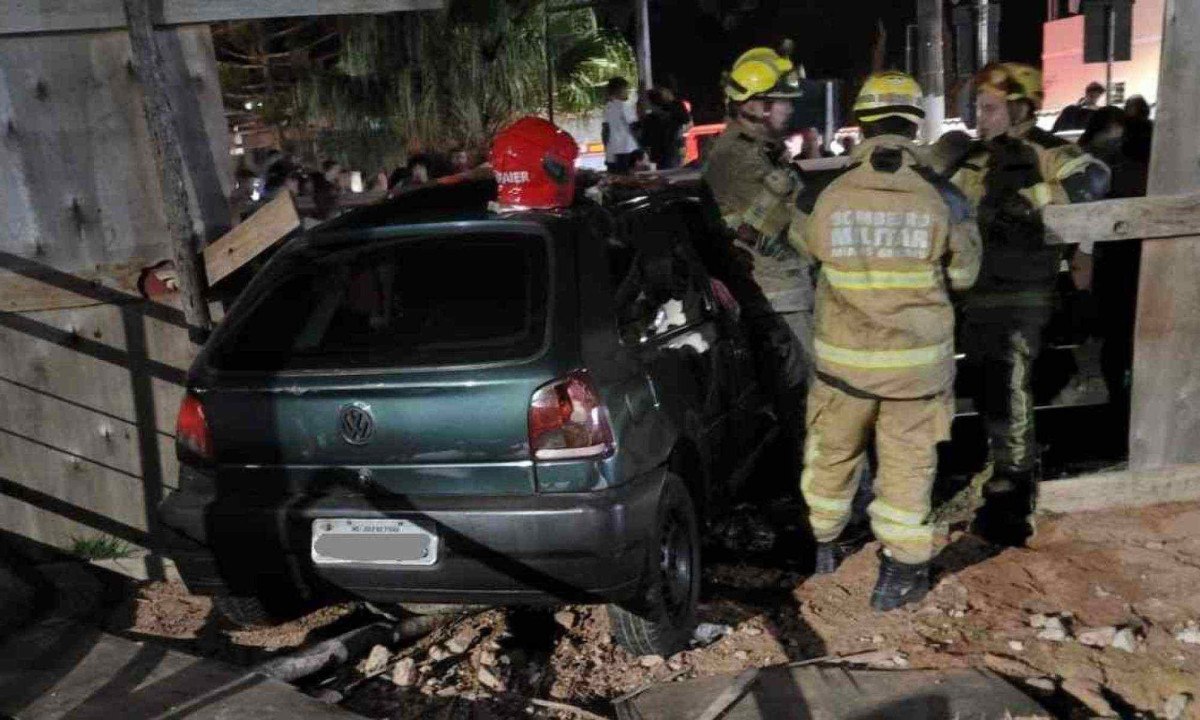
<point x="660" y="621"/>
<point x="245" y="612"/>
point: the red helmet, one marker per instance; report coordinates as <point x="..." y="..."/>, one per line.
<point x="534" y="162"/>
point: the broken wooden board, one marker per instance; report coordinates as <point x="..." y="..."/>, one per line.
<point x="1145" y="218"/>
<point x="1128" y="488"/>
<point x="29" y="287"/>
<point x="267" y="226"/>
<point x="817" y="692"/>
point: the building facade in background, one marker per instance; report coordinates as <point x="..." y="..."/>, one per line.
<point x="1066" y="74"/>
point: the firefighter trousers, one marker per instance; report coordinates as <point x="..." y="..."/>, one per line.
<point x="1002" y="347"/>
<point x="906" y="433"/>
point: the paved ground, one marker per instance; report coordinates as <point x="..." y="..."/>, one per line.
<point x="56" y="662"/>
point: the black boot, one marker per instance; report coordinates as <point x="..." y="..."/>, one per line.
<point x="899" y="583"/>
<point x="829" y="556"/>
<point x="1006" y="518"/>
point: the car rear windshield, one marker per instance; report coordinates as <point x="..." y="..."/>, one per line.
<point x="452" y="300"/>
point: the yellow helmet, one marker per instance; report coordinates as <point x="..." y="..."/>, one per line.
<point x="1013" y="81"/>
<point x="889" y="94"/>
<point x="763" y="73"/>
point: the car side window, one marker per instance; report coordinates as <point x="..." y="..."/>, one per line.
<point x="659" y="283"/>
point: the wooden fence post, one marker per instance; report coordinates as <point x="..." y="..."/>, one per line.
<point x="168" y="156"/>
<point x="1165" y="423"/>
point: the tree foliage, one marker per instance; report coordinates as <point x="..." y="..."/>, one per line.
<point x="394" y="83"/>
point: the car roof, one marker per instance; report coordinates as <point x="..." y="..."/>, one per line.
<point x="442" y="202"/>
<point x="470" y="200"/>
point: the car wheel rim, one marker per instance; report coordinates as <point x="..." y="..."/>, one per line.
<point x="675" y="566"/>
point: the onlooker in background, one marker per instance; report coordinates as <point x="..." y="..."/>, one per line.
<point x="326" y="189"/>
<point x="243" y="191"/>
<point x="1137" y="108"/>
<point x="617" y="132"/>
<point x="460" y="161"/>
<point x="420" y="171"/>
<point x="1091" y="96"/>
<point x="1104" y="133"/>
<point x="1075" y="117"/>
<point x="397" y="179"/>
<point x="814" y="146"/>
<point x="662" y="128"/>
<point x="281" y="175"/>
<point x="346" y="181"/>
<point x="1123" y="140"/>
<point x="379" y="182"/>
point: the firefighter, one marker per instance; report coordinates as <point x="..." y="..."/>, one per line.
<point x="754" y="184"/>
<point x="748" y="175"/>
<point x="1012" y="173"/>
<point x="893" y="240"/>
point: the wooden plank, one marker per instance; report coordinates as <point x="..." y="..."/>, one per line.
<point x="1148" y="218"/>
<point x="1130" y="488"/>
<point x="838" y="693"/>
<point x="65" y="667"/>
<point x="21" y="293"/>
<point x="730" y="695"/>
<point x="267" y="226"/>
<point x="1165" y="419"/>
<point x="41" y="16"/>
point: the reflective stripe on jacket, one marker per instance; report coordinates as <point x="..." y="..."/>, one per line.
<point x="892" y="240"/>
<point x="1009" y="181"/>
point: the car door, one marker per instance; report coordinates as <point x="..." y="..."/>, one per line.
<point x="666" y="313"/>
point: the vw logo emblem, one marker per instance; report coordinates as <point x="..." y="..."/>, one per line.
<point x="356" y="423"/>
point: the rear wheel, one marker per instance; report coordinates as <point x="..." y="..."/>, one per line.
<point x="243" y="611"/>
<point x="661" y="619"/>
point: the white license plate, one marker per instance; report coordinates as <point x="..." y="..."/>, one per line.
<point x="372" y="542"/>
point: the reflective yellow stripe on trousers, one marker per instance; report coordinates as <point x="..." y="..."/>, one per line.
<point x="879" y="279"/>
<point x="884" y="359"/>
<point x="1073" y="166"/>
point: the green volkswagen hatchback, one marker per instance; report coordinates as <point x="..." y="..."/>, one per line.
<point x="428" y="402"/>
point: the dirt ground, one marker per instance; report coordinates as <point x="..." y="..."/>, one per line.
<point x="1128" y="582"/>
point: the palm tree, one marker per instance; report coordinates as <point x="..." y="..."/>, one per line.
<point x="430" y="80"/>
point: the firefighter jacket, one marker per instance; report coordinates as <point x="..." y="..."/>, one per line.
<point x="892" y="239"/>
<point x="753" y="186"/>
<point x="1009" y="181"/>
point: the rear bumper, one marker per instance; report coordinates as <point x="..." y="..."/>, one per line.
<point x="583" y="547"/>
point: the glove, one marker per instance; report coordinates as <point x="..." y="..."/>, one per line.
<point x="1011" y="215"/>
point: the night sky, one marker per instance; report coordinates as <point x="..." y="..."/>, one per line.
<point x="833" y="38"/>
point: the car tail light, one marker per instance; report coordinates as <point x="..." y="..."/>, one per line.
<point x="192" y="437"/>
<point x="568" y="421"/>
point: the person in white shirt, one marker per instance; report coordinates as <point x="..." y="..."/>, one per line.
<point x="621" y="151"/>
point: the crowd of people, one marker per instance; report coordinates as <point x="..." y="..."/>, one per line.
<point x="649" y="135"/>
<point x="321" y="191"/>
